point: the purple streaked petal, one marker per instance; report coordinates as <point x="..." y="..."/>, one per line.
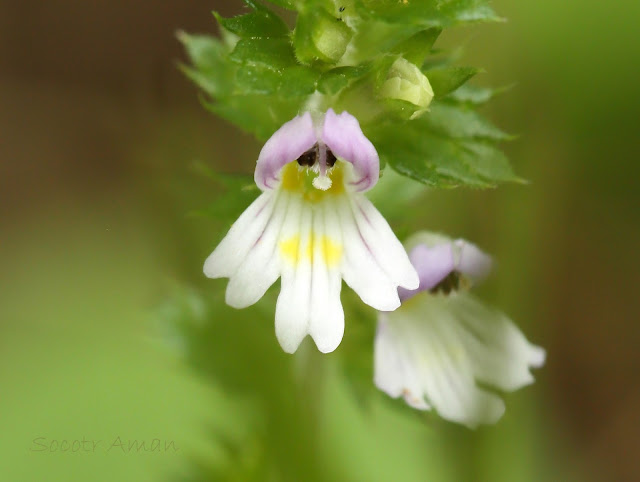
<point x="288" y="143"/>
<point x="342" y="134"/>
<point x="432" y="264"/>
<point x="470" y="261"/>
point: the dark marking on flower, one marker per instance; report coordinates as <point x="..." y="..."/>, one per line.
<point x="331" y="158"/>
<point x="342" y="9"/>
<point x="309" y="157"/>
<point x="450" y="283"/>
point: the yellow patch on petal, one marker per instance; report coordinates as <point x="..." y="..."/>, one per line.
<point x="300" y="180"/>
<point x="289" y="249"/>
<point x="330" y="251"/>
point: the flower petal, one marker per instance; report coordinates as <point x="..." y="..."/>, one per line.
<point x="432" y="264"/>
<point x="471" y="261"/>
<point x="449" y="344"/>
<point x="359" y="268"/>
<point x="503" y="356"/>
<point x="450" y="382"/>
<point x="294" y="301"/>
<point x="260" y="269"/>
<point x="342" y="134"/>
<point x="446" y="371"/>
<point x="326" y="322"/>
<point x="383" y="244"/>
<point x="288" y="143"/>
<point x="233" y="249"/>
<point x="393" y="373"/>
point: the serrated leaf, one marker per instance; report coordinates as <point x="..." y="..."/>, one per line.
<point x="490" y="162"/>
<point x="257" y="79"/>
<point x="333" y="81"/>
<point x="416" y="48"/>
<point x="296" y="81"/>
<point x="262" y="22"/>
<point x="288" y="4"/>
<point x="260" y="115"/>
<point x="213" y="72"/>
<point x="447" y="79"/>
<point x="471" y="94"/>
<point x="299" y="81"/>
<point x="474" y="95"/>
<point x="272" y="53"/>
<point x="461" y="122"/>
<point x="415" y="150"/>
<point x="442" y="13"/>
<point x="375" y="37"/>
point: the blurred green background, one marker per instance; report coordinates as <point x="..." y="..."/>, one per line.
<point x="98" y="137"/>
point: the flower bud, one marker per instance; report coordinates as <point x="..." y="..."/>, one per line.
<point x="406" y="82"/>
<point x="320" y="36"/>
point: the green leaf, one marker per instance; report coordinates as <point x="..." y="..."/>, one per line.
<point x="272" y="53"/>
<point x="447" y="79"/>
<point x="490" y="162"/>
<point x="428" y="13"/>
<point x="416" y="48"/>
<point x="288" y="4"/>
<point x="262" y="22"/>
<point x="431" y="155"/>
<point x="212" y="72"/>
<point x="298" y="81"/>
<point x="474" y="95"/>
<point x="460" y="122"/>
<point x="257" y="79"/>
<point x="471" y="94"/>
<point x="333" y="81"/>
<point x="260" y="115"/>
<point x="374" y="37"/>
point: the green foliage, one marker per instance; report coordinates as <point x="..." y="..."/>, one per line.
<point x="416" y="48"/>
<point x="445" y="80"/>
<point x="454" y="146"/>
<point x="333" y="81"/>
<point x="320" y="37"/>
<point x="340" y="55"/>
<point x="261" y="23"/>
<point x="442" y="13"/>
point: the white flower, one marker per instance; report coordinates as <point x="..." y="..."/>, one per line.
<point x="312" y="227"/>
<point x="442" y="341"/>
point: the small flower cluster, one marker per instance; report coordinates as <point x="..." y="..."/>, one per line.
<point x="313" y="227"/>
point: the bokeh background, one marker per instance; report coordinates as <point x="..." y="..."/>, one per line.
<point x="99" y="135"/>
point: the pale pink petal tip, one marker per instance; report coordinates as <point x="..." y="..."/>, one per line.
<point x="435" y="263"/>
<point x="342" y="134"/>
<point x="288" y="143"/>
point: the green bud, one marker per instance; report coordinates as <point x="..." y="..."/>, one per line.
<point x="319" y="36"/>
<point x="406" y="82"/>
